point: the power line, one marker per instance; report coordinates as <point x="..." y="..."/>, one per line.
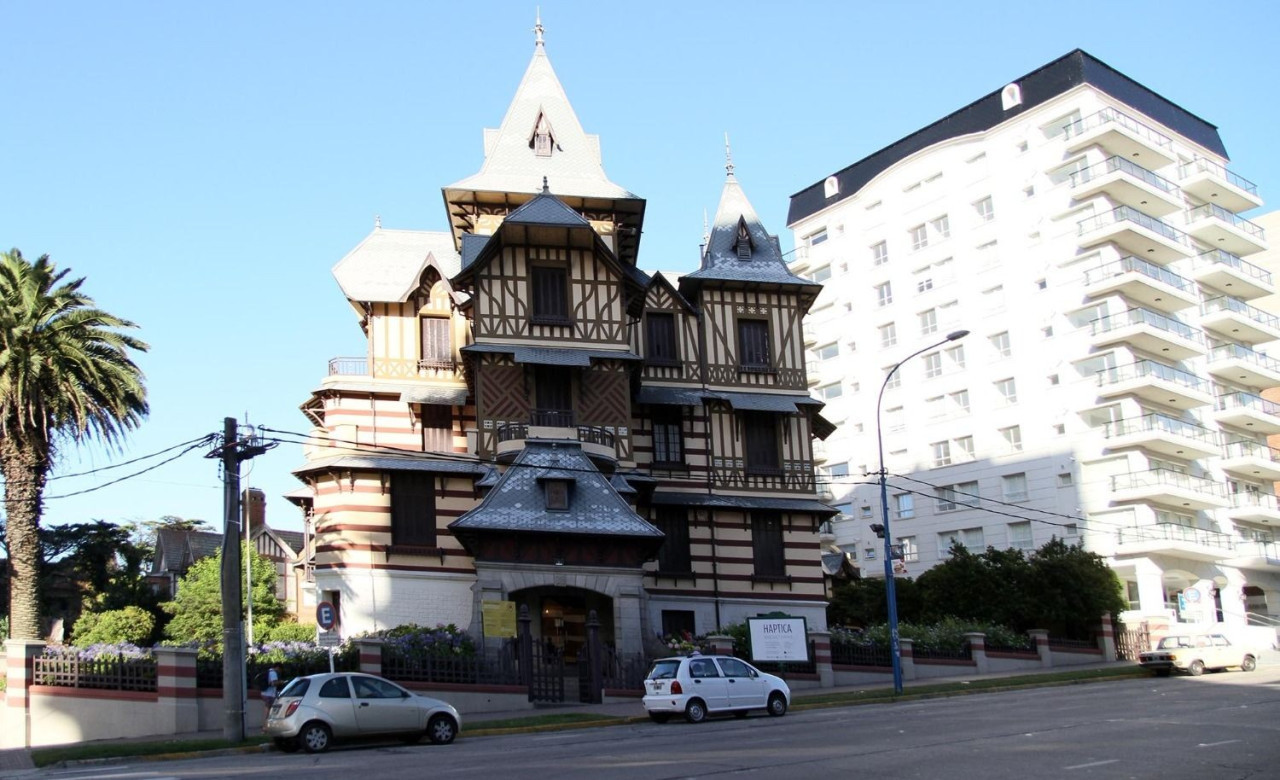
<point x="194" y="445"/>
<point x="202" y="440"/>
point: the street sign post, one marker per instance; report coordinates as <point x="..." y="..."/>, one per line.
<point x="326" y="619"/>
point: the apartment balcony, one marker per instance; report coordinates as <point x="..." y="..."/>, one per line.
<point x="813" y="371"/>
<point x="1175" y="540"/>
<point x="1255" y="554"/>
<point x="1152" y="285"/>
<point x="1227" y="272"/>
<point x="1156" y="382"/>
<point x="1135" y="233"/>
<point x="598" y="442"/>
<point x="797" y="260"/>
<point x="1121" y="135"/>
<point x="1149" y="331"/>
<point x="1226" y="230"/>
<point x="1254" y="507"/>
<point x="1127" y="183"/>
<point x="1247" y="411"/>
<point x="1213" y="183"/>
<point x="1235" y="320"/>
<point x="1163" y="434"/>
<point x="349" y="366"/>
<point x="1251" y="460"/>
<point x="1237" y="364"/>
<point x="1170" y="488"/>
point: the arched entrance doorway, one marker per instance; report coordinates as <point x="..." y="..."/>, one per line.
<point x="560" y="618"/>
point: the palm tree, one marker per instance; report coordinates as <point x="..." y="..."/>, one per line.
<point x="65" y="376"/>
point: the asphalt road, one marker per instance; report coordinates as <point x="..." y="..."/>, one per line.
<point x="1216" y="727"/>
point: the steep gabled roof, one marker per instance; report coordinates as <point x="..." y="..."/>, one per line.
<point x="388" y="264"/>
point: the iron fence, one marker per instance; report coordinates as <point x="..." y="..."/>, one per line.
<point x="849" y="654"/>
<point x="499" y="667"/>
<point x="1025" y="647"/>
<point x="109" y="673"/>
<point x="1073" y="644"/>
<point x="942" y="653"/>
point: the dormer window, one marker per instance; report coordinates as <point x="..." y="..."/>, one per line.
<point x="557" y="494"/>
<point x="543" y="140"/>
<point x="743" y="241"/>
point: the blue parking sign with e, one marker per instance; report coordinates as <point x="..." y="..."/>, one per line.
<point x="325" y="615"/>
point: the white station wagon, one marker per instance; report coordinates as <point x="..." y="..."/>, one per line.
<point x="1193" y="653"/>
<point x="700" y="685"/>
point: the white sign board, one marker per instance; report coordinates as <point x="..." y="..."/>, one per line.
<point x="328" y="639"/>
<point x="778" y="639"/>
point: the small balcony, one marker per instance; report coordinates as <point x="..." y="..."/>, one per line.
<point x="349" y="366"/>
<point x="797" y="260"/>
<point x="813" y="371"/>
<point x="1171" y="488"/>
<point x="1122" y="135"/>
<point x="1247" y="411"/>
<point x="1127" y="183"/>
<point x="1151" y="285"/>
<point x="1135" y="233"/>
<point x="1149" y="331"/>
<point x="1228" y="273"/>
<point x="1175" y="540"/>
<point x="1163" y="434"/>
<point x="1255" y="554"/>
<point x="1254" y="507"/>
<point x="598" y="442"/>
<point x="1225" y="230"/>
<point x="1251" y="460"/>
<point x="1233" y="319"/>
<point x="1213" y="183"/>
<point x="1156" y="382"/>
<point x="1237" y="364"/>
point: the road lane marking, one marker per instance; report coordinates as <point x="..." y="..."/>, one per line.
<point x="1216" y="744"/>
<point x="1094" y="763"/>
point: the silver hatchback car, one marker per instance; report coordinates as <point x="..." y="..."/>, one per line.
<point x="700" y="685"/>
<point x="313" y="711"/>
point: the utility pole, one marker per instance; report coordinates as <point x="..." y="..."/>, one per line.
<point x="232" y="452"/>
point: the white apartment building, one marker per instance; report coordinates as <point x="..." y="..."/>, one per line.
<point x="1087" y="232"/>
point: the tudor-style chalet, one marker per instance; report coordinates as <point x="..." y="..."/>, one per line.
<point x="538" y="421"/>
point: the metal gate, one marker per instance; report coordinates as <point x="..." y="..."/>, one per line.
<point x="1132" y="641"/>
<point x="541" y="667"/>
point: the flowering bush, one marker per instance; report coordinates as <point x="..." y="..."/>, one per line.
<point x="682" y="643"/>
<point x="945" y="635"/>
<point x="102" y="650"/>
<point x="412" y="640"/>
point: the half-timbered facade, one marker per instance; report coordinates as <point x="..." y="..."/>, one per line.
<point x="537" y="420"/>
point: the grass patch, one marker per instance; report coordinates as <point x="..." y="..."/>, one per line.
<point x="42" y="757"/>
<point x="982" y="684"/>
<point x="537" y="721"/>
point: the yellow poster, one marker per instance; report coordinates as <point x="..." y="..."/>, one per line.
<point x="499" y="619"/>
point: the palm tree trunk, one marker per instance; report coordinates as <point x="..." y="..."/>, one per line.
<point x="25" y="468"/>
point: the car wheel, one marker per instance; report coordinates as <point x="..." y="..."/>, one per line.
<point x="777" y="705"/>
<point x="1248" y="664"/>
<point x="1162" y="672"/>
<point x="315" y="737"/>
<point x="695" y="711"/>
<point x="286" y="745"/>
<point x="659" y="717"/>
<point x="1196" y="668"/>
<point x="441" y="729"/>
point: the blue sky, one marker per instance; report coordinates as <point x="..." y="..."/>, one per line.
<point x="205" y="165"/>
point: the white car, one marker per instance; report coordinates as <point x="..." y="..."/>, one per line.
<point x="1193" y="653"/>
<point x="701" y="685"/>
<point x="313" y="711"/>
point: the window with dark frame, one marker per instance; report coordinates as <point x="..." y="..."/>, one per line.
<point x="673" y="556"/>
<point x="557" y="494"/>
<point x="550" y="295"/>
<point x="437" y="427"/>
<point x="760" y="437"/>
<point x="753" y="345"/>
<point x="767" y="548"/>
<point x="668" y="437"/>
<point x="660" y="339"/>
<point x="678" y="622"/>
<point x="413" y="509"/>
<point x="437" y="346"/>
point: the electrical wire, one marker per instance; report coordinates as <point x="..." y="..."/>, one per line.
<point x="195" y="445"/>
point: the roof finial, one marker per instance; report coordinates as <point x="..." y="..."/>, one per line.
<point x="728" y="157"/>
<point x="377" y="222"/>
<point x="706" y="228"/>
<point x="537" y="28"/>
<point x="545" y="187"/>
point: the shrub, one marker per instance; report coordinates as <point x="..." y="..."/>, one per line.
<point x="286" y="631"/>
<point x="412" y="640"/>
<point x="93" y="652"/>
<point x="131" y="624"/>
<point x="945" y="635"/>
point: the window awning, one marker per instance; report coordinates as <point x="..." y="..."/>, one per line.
<point x="813" y="506"/>
<point x="441" y="396"/>
<point x="764" y="402"/>
<point x="670" y="396"/>
<point x="551" y="356"/>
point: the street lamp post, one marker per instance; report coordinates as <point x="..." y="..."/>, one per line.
<point x="890" y="591"/>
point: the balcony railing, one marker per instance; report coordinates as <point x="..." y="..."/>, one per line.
<point x="1145" y="369"/>
<point x="1257" y="548"/>
<point x="1250" y="449"/>
<point x="1259" y="500"/>
<point x="1219" y="257"/>
<point x="1167" y="477"/>
<point x="1240" y="352"/>
<point x="1131" y="264"/>
<point x="1237" y="306"/>
<point x="1130" y="214"/>
<point x="1112" y="116"/>
<point x="1214" y="211"/>
<point x="1201" y="165"/>
<point x="587" y="434"/>
<point x="552" y="418"/>
<point x="1143" y="317"/>
<point x="348" y="366"/>
<point x="1113" y="164"/>
<point x="1174" y="532"/>
<point x="1241" y="400"/>
<point x="1163" y="423"/>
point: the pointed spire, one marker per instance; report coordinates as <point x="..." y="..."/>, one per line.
<point x="377" y="222"/>
<point x="538" y="29"/>
<point x="545" y="187"/>
<point x="728" y="157"/>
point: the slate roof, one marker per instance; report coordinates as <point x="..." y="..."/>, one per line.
<point x="552" y="356"/>
<point x="294" y="539"/>
<point x="472" y="245"/>
<point x="387" y="264"/>
<point x="810" y="505"/>
<point x="175" y="546"/>
<point x="546" y="209"/>
<point x="517" y="503"/>
<point x="720" y="260"/>
<point x="393" y="463"/>
<point x="510" y="165"/>
<point x="443" y="396"/>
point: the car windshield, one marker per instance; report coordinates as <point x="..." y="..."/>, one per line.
<point x="297" y="687"/>
<point x="1174" y="642"/>
<point x="664" y="670"/>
